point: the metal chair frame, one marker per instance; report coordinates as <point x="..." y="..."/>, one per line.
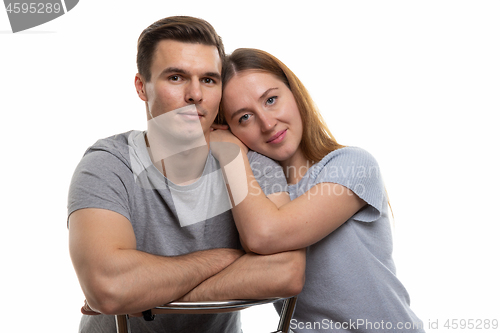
<point x="122" y="325"/>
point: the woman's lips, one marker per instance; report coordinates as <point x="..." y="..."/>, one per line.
<point x="278" y="137"/>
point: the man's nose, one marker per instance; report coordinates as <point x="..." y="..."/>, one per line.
<point x="193" y="92"/>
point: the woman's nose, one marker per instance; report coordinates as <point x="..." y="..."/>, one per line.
<point x="268" y="122"/>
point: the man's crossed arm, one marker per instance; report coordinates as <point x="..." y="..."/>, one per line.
<point x="116" y="278"/>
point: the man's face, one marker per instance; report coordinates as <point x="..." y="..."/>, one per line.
<point x="183" y="74"/>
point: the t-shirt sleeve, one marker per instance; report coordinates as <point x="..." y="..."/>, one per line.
<point x="268" y="173"/>
<point x="98" y="183"/>
<point x="357" y="170"/>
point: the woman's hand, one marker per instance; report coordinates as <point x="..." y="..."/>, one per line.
<point x="218" y="136"/>
<point x="225" y="147"/>
<point x="218" y="127"/>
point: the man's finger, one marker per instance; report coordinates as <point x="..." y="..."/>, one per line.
<point x="86" y="310"/>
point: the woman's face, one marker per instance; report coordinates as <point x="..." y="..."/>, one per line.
<point x="261" y="111"/>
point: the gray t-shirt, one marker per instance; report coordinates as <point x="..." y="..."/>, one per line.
<point x="116" y="174"/>
<point x="351" y="283"/>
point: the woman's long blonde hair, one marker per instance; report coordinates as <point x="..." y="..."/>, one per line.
<point x="317" y="140"/>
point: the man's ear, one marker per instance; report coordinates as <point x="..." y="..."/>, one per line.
<point x="140" y="87"/>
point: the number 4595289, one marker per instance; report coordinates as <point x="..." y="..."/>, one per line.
<point x="471" y="324"/>
<point x="33" y="8"/>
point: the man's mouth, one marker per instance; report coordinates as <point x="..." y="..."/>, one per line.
<point x="190" y="112"/>
<point x="278" y="137"/>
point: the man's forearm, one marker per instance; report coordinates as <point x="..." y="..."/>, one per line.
<point x="116" y="278"/>
<point x="135" y="281"/>
<point x="255" y="276"/>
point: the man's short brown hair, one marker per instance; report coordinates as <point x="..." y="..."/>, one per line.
<point x="179" y="28"/>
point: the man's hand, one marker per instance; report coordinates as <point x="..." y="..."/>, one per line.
<point x="87" y="310"/>
<point x="117" y="278"/>
<point x="253" y="276"/>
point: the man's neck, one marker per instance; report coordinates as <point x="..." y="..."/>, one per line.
<point x="181" y="164"/>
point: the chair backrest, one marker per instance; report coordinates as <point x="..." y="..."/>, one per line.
<point x="286" y="314"/>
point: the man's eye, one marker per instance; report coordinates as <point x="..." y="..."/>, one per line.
<point x="174" y="78"/>
<point x="244" y="118"/>
<point x="208" y="80"/>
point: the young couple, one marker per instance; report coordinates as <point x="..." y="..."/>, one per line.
<point x="138" y="239"/>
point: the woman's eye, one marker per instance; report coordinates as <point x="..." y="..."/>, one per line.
<point x="271" y="100"/>
<point x="244" y="118"/>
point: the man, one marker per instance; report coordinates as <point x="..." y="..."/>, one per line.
<point x="133" y="242"/>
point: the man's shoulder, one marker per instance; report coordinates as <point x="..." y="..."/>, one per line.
<point x="115" y="142"/>
<point x="118" y="145"/>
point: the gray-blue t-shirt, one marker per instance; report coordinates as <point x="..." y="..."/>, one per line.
<point x="351" y="283"/>
<point x="116" y="174"/>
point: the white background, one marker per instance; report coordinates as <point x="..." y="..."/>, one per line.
<point x="415" y="83"/>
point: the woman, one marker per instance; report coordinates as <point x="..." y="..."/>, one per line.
<point x="339" y="207"/>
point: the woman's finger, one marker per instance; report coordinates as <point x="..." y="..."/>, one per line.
<point x="219" y="127"/>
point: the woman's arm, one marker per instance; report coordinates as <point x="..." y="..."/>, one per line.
<point x="300" y="223"/>
<point x="255" y="276"/>
<point x="266" y="229"/>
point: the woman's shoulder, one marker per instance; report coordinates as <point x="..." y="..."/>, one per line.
<point x="259" y="161"/>
<point x="357" y="170"/>
<point x="346" y="166"/>
<point x="349" y="156"/>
